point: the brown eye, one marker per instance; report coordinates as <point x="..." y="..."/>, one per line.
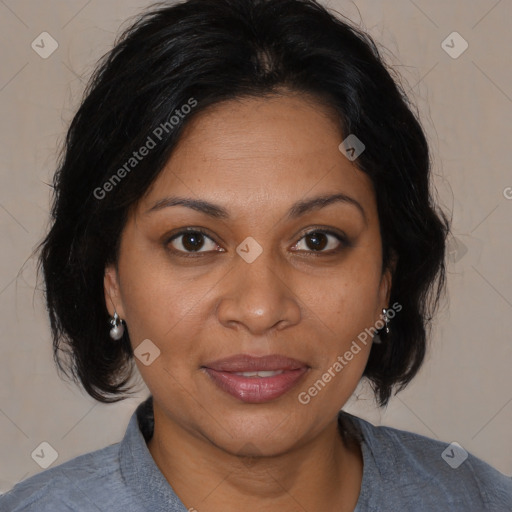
<point x="192" y="241"/>
<point x="316" y="241"/>
<point x="320" y="241"/>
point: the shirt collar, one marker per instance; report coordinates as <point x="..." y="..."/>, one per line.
<point x="138" y="468"/>
<point x="143" y="476"/>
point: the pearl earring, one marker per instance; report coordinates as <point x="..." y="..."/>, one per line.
<point x="386" y="319"/>
<point x="117" y="330"/>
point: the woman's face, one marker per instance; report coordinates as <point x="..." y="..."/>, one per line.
<point x="274" y="273"/>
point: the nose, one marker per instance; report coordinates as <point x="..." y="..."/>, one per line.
<point x="256" y="297"/>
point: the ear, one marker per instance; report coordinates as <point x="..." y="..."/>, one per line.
<point x="385" y="289"/>
<point x="112" y="291"/>
<point x="386" y="283"/>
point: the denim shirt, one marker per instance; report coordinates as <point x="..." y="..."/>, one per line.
<point x="402" y="472"/>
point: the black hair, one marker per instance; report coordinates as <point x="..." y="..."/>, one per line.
<point x="196" y="54"/>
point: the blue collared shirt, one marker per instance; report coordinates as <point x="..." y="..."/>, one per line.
<point x="402" y="472"/>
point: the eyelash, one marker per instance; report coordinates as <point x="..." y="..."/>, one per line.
<point x="344" y="242"/>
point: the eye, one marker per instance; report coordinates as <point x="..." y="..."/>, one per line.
<point x="191" y="241"/>
<point x="195" y="240"/>
<point x="321" y="241"/>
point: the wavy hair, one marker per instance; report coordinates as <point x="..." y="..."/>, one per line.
<point x="213" y="51"/>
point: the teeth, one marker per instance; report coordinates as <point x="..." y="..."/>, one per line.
<point x="259" y="373"/>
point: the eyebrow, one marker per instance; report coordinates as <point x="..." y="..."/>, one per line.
<point x="296" y="210"/>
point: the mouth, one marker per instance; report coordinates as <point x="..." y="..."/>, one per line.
<point x="256" y="379"/>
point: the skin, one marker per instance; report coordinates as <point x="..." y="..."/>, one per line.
<point x="254" y="157"/>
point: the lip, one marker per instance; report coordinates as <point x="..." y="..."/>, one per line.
<point x="256" y="389"/>
<point x="247" y="363"/>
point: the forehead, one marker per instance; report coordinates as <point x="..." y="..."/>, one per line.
<point x="272" y="150"/>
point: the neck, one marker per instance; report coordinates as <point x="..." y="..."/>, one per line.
<point x="323" y="474"/>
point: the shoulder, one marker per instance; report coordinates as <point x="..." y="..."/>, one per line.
<point x="418" y="469"/>
<point x="77" y="484"/>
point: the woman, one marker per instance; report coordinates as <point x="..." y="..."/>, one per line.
<point x="243" y="212"/>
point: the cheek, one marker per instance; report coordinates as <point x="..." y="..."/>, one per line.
<point x="174" y="307"/>
<point x="168" y="310"/>
<point x="346" y="300"/>
<point x="344" y="309"/>
<point x="159" y="303"/>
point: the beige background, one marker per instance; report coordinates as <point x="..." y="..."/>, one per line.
<point x="464" y="391"/>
